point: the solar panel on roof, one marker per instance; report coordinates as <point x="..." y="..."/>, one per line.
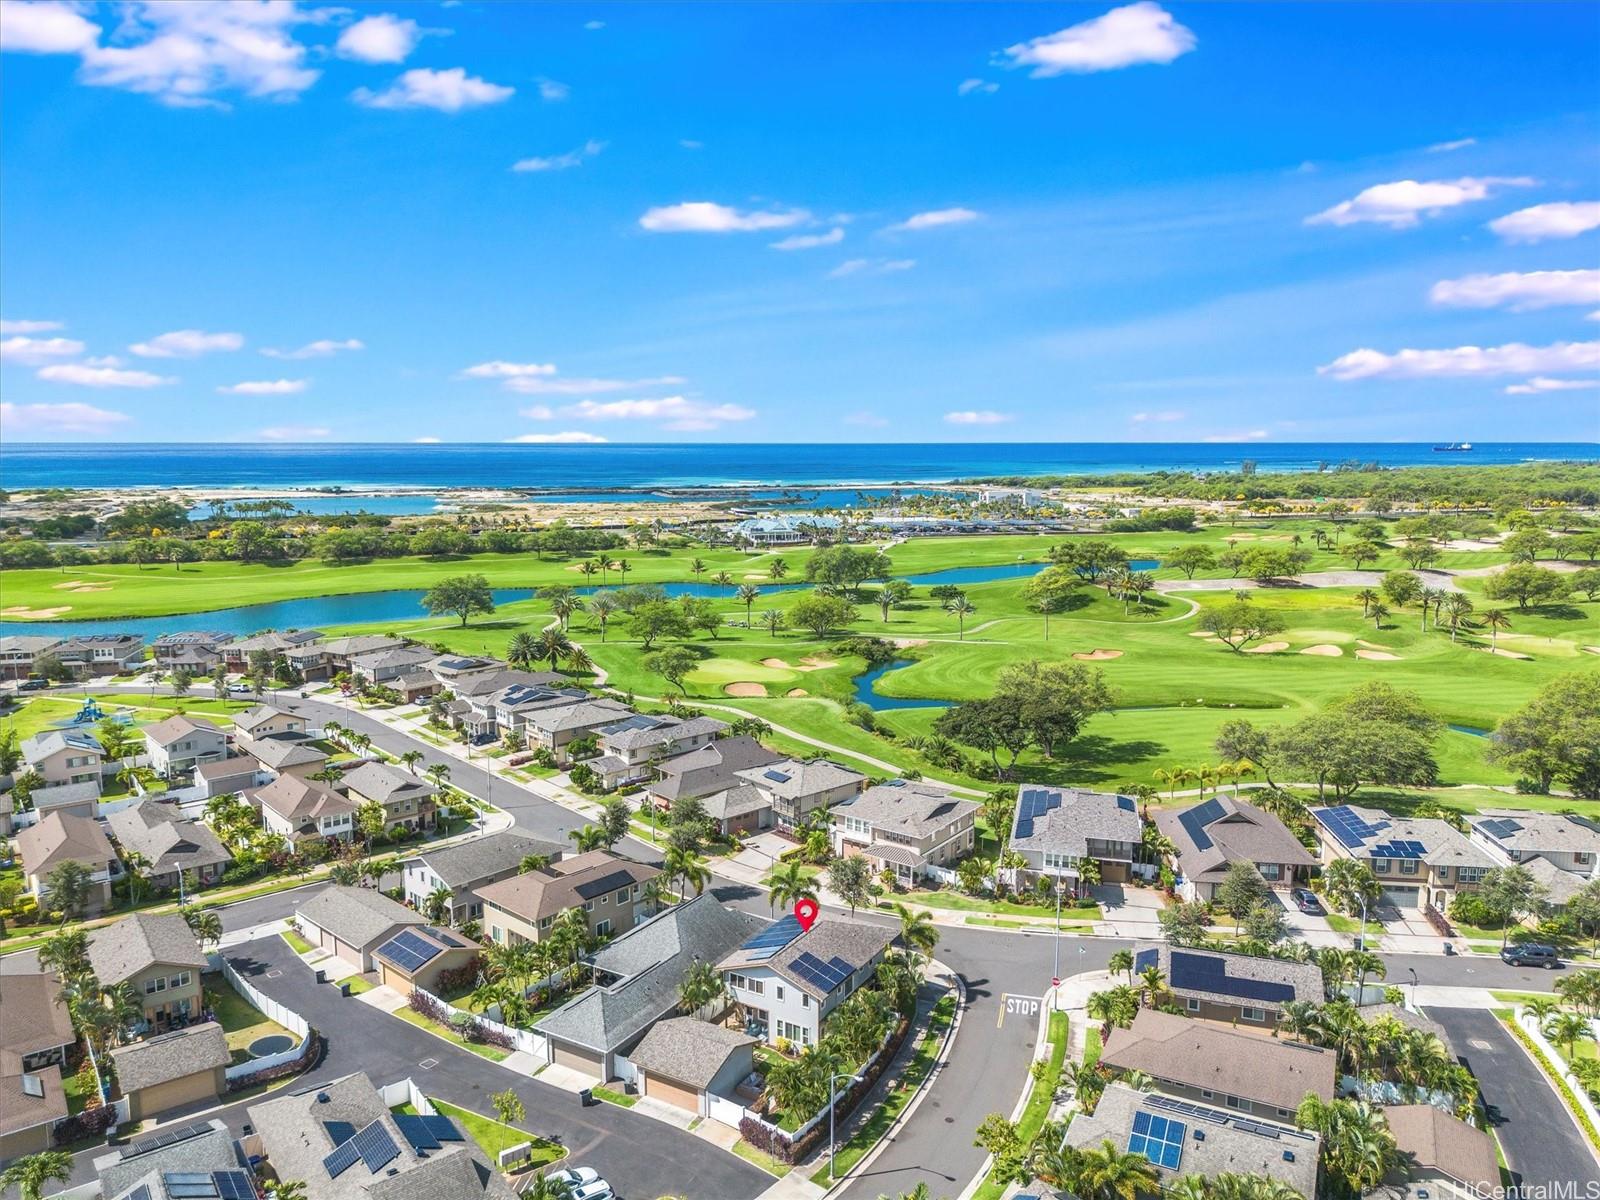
<point x="340" y="1160"/>
<point x="1125" y="803"/>
<point x="32" y="1085"/>
<point x="376" y="1147"/>
<point x="416" y="1131"/>
<point x="775" y="776"/>
<point x="813" y="970"/>
<point x="773" y="938"/>
<point x="608" y="883"/>
<point x="142" y="1192"/>
<point x="1160" y="1139"/>
<point x="339" y="1131"/>
<point x="1024" y="827"/>
<point x="408" y="951"/>
<point x="1195" y="820"/>
<point x="166" y="1138"/>
<point x="1203" y="973"/>
<point x="189" y="1185"/>
<point x="1145" y="959"/>
<point x="443" y="1128"/>
<point x="234" y="1185"/>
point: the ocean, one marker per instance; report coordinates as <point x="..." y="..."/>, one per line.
<point x="644" y="466"/>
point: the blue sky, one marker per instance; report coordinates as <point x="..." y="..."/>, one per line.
<point x="769" y="222"/>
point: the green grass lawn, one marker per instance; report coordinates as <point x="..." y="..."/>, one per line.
<point x="493" y="1053"/>
<point x="297" y="943"/>
<point x="240" y="1020"/>
<point x="493" y="1136"/>
<point x="612" y="1096"/>
<point x="981" y="904"/>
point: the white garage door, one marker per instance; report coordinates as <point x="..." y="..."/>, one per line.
<point x="1401" y="897"/>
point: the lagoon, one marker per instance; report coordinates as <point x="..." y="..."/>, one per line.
<point x="866" y="694"/>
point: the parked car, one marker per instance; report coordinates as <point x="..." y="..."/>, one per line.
<point x="33" y="685"/>
<point x="1306" y="901"/>
<point x="583" y="1183"/>
<point x="1531" y="954"/>
<point x="240" y="689"/>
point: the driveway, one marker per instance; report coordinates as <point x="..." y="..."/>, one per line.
<point x="641" y="1157"/>
<point x="1542" y="1145"/>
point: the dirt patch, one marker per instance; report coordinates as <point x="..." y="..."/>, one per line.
<point x="1377" y="656"/>
<point x="22" y="610"/>
<point x="1510" y="654"/>
<point x="1267" y="648"/>
<point x="1203" y="633"/>
<point x="1324" y="651"/>
<point x="745" y="689"/>
<point x="795" y="693"/>
<point x="813" y="663"/>
<point x="777" y="664"/>
<point x="1097" y="655"/>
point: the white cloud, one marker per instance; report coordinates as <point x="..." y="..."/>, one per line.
<point x="571" y="437"/>
<point x="866" y="420"/>
<point x="265" y="387"/>
<point x="383" y="38"/>
<point x="538" y="412"/>
<point x="30" y="326"/>
<point x="536" y="385"/>
<point x="1446" y="147"/>
<point x="1465" y="361"/>
<point x="45" y="28"/>
<point x="32" y="351"/>
<point x="184" y="54"/>
<point x="186" y="343"/>
<point x="1124" y="37"/>
<point x="1544" y="222"/>
<point x="1543" y="383"/>
<point x="101" y="377"/>
<point x="552" y="91"/>
<point x="936" y="219"/>
<point x="59" y="418"/>
<point x="968" y="86"/>
<point x="809" y="241"/>
<point x="323" y="348"/>
<point x="448" y="91"/>
<point x="593" y="25"/>
<point x="702" y="216"/>
<point x="675" y="412"/>
<point x="294" y="433"/>
<point x="425" y="440"/>
<point x="871" y="266"/>
<point x="499" y="369"/>
<point x="1143" y="418"/>
<point x="1520" y="292"/>
<point x="981" y="416"/>
<point x="560" y="162"/>
<point x="1402" y="204"/>
<point x="1247" y="435"/>
<point x="103" y="360"/>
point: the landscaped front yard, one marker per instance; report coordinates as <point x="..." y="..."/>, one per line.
<point x="241" y="1022"/>
<point x="492" y="1136"/>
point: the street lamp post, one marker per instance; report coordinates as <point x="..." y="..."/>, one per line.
<point x="1413" y="971"/>
<point x="833" y="1103"/>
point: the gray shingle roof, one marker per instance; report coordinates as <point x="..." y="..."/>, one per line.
<point x="1443" y="845"/>
<point x="214" y="1150"/>
<point x="19" y="1110"/>
<point x="43" y="745"/>
<point x="711" y="768"/>
<point x="64" y="795"/>
<point x="484" y="858"/>
<point x="356" y="916"/>
<point x="801" y="777"/>
<point x="259" y="714"/>
<point x="171" y="1056"/>
<point x="1238" y="832"/>
<point x="737" y="801"/>
<point x="176" y="727"/>
<point x="1304" y="978"/>
<point x="36" y="1018"/>
<point x="652" y="958"/>
<point x="122" y="949"/>
<point x="855" y="942"/>
<point x="563" y="885"/>
<point x="381" y="782"/>
<point x="299" y="800"/>
<point x="687" y="1050"/>
<point x="645" y="731"/>
<point x="912" y="808"/>
<point x="1080" y="816"/>
<point x="169" y="842"/>
<point x="590" y="714"/>
<point x="281" y="753"/>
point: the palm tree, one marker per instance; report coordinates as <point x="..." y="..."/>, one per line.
<point x="1153" y="979"/>
<point x="1456" y="610"/>
<point x="554" y="644"/>
<point x="697" y="568"/>
<point x="788" y="885"/>
<point x="1173" y="777"/>
<point x="683" y="863"/>
<point x="1106" y="1173"/>
<point x="1378" y="612"/>
<point x="962" y="608"/>
<point x="622" y="566"/>
<point x="532" y="862"/>
<point x="30" y="1175"/>
<point x="1122" y="960"/>
<point x="1496" y="619"/>
<point x="1567" y="1028"/>
<point x="1298" y="1018"/>
<point x="777" y="569"/>
<point x="590" y="837"/>
<point x="138" y="881"/>
<point x="589" y="568"/>
<point x="773" y="619"/>
<point x="722" y="579"/>
<point x="288" y="1189"/>
<point x="601" y="606"/>
<point x="747" y="595"/>
<point x="411" y="758"/>
<point x="206" y="924"/>
<point x="436" y="905"/>
<point x="701" y="987"/>
<point x="1368" y="598"/>
<point x="523" y="650"/>
<point x="918" y="934"/>
<point x="437" y="774"/>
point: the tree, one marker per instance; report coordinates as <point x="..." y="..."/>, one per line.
<point x="615" y="819"/>
<point x="1401" y="588"/>
<point x="1107" y="1173"/>
<point x="1001" y="1139"/>
<point x="891" y="594"/>
<point x="1568" y="1029"/>
<point x="29" y="1175"/>
<point x="411" y="758"/>
<point x="67" y="889"/>
<point x="1189" y="559"/>
<point x="436" y="904"/>
<point x="1053" y="699"/>
<point x="657" y="619"/>
<point x="437" y="774"/>
<point x="788" y="885"/>
<point x="463" y="595"/>
<point x="1266" y="924"/>
<point x="673" y="664"/>
<point x="1357" y="1148"/>
<point x="1586" y="581"/>
<point x="747" y="595"/>
<point x="522" y="650"/>
<point x="1495" y="619"/>
<point x="850" y="878"/>
<point x="1049" y="591"/>
<point x="206" y="924"/>
<point x="51" y="667"/>
<point x="1347" y="882"/>
<point x="1089" y="559"/>
<point x="961" y="608"/>
<point x="1528" y="585"/>
<point x="918" y="934"/>
<point x="1555" y="737"/>
<point x="508" y="1107"/>
<point x="700" y="987"/>
<point x="1511" y="893"/>
<point x="822" y="614"/>
<point x="1241" y="890"/>
<point x="1375" y="735"/>
<point x="370" y="821"/>
<point x="1238" y="624"/>
<point x="1185" y="924"/>
<point x="686" y="865"/>
<point x="990" y="726"/>
<point x="774" y="620"/>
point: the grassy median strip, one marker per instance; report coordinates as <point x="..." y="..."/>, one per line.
<point x="1040" y="1096"/>
<point x="898" y="1096"/>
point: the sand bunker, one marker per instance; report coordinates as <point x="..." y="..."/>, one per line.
<point x="1590" y="649"/>
<point x="91" y="587"/>
<point x="1324" y="651"/>
<point x="907" y="643"/>
<point x="756" y="575"/>
<point x="1202" y="633"/>
<point x="1267" y="648"/>
<point x="745" y="689"/>
<point x="1509" y="653"/>
<point x="777" y="664"/>
<point x="1097" y="655"/>
<point x="1367" y="644"/>
<point x="793" y="693"/>
<point x="71" y="583"/>
<point x="22" y="610"/>
<point x="813" y="663"/>
<point x="1377" y="656"/>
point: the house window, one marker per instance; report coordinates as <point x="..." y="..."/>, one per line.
<point x="1206" y="1093"/>
<point x="602" y="927"/>
<point x="589" y="906"/>
<point x="1246" y="1012"/>
<point x="1235" y="1103"/>
<point x="1270" y="870"/>
<point x="497" y="933"/>
<point x="1470" y="874"/>
<point x="1408" y="867"/>
<point x="606" y="899"/>
<point x="1581" y="858"/>
<point x="1380" y="866"/>
<point x="622" y="896"/>
<point x="780" y="993"/>
<point x="1193" y="1004"/>
<point x="805" y="1000"/>
<point x="151" y="986"/>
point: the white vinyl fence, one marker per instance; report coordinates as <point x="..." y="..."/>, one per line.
<point x="406" y="1091"/>
<point x="268" y="1007"/>
<point x="1530" y="1026"/>
<point x="726" y="1111"/>
<point x="523" y="1039"/>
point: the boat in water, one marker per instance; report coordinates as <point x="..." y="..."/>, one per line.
<point x="1453" y="448"/>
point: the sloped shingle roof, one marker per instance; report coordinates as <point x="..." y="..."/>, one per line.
<point x="121" y="950"/>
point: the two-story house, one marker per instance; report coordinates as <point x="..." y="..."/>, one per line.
<point x="19" y="650"/>
<point x="1421" y="862"/>
<point x="339" y="654"/>
<point x="88" y="655"/>
<point x="466" y="867"/>
<point x="158" y="954"/>
<point x="797" y="788"/>
<point x="1560" y="850"/>
<point x="491" y="704"/>
<point x="630" y="748"/>
<point x="1209" y="837"/>
<point x="62" y="838"/>
<point x="608" y="888"/>
<point x="302" y="808"/>
<point x="273" y="642"/>
<point x="386" y="666"/>
<point x="406" y="800"/>
<point x="170" y="846"/>
<point x="906" y="826"/>
<point x="558" y="726"/>
<point x="65" y="756"/>
<point x="181" y="743"/>
<point x="264" y="721"/>
<point x="787" y="981"/>
<point x="711" y="768"/>
<point x="197" y="652"/>
<point x="1055" y="830"/>
<point x="288" y="755"/>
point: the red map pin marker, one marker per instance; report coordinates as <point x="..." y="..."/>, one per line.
<point x="805" y="911"/>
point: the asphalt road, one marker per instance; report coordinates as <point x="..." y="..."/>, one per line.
<point x="1542" y="1145"/>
